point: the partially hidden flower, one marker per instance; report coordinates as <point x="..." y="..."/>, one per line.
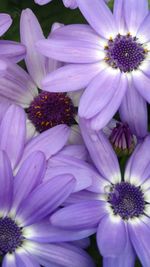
<point x="110" y="57"/>
<point x="120" y="210"/>
<point x="121" y="137"/>
<point x="26" y="235"/>
<point x="44" y="110"/>
<point x="60" y="157"/>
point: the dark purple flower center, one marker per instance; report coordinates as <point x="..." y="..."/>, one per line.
<point x="10" y="236"/>
<point x="125" y="53"/>
<point x="50" y="109"/>
<point x="122" y="139"/>
<point x="126" y="200"/>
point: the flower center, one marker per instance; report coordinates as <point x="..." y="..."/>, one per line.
<point x="122" y="139"/>
<point x="50" y="109"/>
<point x="126" y="200"/>
<point x="125" y="53"/>
<point x="10" y="236"/>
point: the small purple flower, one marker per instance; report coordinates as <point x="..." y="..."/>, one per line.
<point x="110" y="57"/>
<point x="121" y="137"/>
<point x="120" y="209"/>
<point x="26" y="235"/>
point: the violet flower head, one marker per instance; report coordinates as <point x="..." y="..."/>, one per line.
<point x="120" y="210"/>
<point x="26" y="236"/>
<point x="44" y="109"/>
<point x="110" y="57"/>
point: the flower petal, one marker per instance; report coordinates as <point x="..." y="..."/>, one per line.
<point x="141" y="83"/>
<point x="139" y="235"/>
<point x="101" y="119"/>
<point x="75" y="74"/>
<point x="49" y="142"/>
<point x="77" y="151"/>
<point x="5" y="22"/>
<point x="80" y="216"/>
<point x="24" y="259"/>
<point x="84" y="174"/>
<point x="118" y="12"/>
<point x="143" y="32"/>
<point x="6" y="181"/>
<point x="101" y="153"/>
<point x="3" y="68"/>
<point x="99" y="17"/>
<point x="9" y="260"/>
<point x="31" y="32"/>
<point x="138" y="167"/>
<point x="45" y="232"/>
<point x="13" y="133"/>
<point x="45" y="199"/>
<point x="96" y="95"/>
<point x="62" y="255"/>
<point x="28" y="177"/>
<point x="16" y="85"/>
<point x="12" y="50"/>
<point x="42" y="2"/>
<point x="126" y="259"/>
<point x="110" y="243"/>
<point x="129" y="111"/>
<point x="74" y="51"/>
<point x="135" y="11"/>
<point x="70" y="3"/>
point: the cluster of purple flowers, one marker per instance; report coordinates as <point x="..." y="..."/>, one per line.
<point x="60" y="146"/>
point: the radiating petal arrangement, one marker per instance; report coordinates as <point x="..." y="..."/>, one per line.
<point x="74" y="133"/>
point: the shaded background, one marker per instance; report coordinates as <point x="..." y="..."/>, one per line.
<point x="47" y="15"/>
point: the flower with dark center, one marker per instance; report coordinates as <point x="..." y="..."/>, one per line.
<point x="122" y="139"/>
<point x="109" y="58"/>
<point x="120" y="208"/>
<point x="125" y="53"/>
<point x="44" y="110"/>
<point x="10" y="236"/>
<point x="50" y="109"/>
<point x="126" y="200"/>
<point x="26" y="202"/>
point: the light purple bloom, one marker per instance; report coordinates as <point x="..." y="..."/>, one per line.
<point x="9" y="49"/>
<point x="26" y="235"/>
<point x="120" y="210"/>
<point x="110" y="57"/>
<point x="44" y="110"/>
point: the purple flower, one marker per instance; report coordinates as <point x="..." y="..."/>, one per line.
<point x="67" y="3"/>
<point x="9" y="49"/>
<point x="121" y="137"/>
<point x="110" y="58"/>
<point x="44" y="110"/>
<point x="120" y="209"/>
<point x="26" y="235"/>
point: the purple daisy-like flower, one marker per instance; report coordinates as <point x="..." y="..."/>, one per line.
<point x="44" y="109"/>
<point x="120" y="210"/>
<point x="110" y="58"/>
<point x="26" y="236"/>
